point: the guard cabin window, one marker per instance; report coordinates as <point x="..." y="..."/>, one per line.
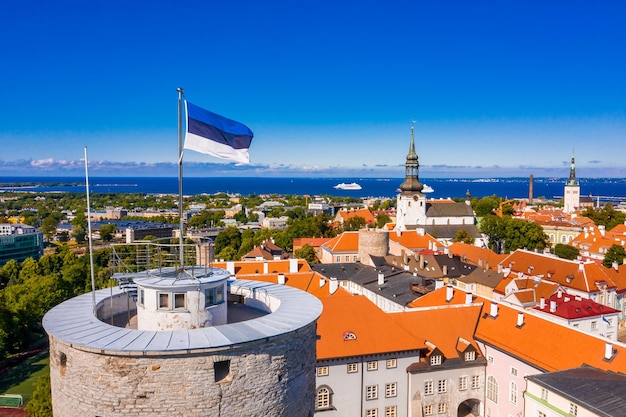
<point x="213" y="296"/>
<point x="164" y="301"/>
<point x="179" y="301"/>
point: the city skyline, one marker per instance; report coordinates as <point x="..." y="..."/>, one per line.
<point x="329" y="90"/>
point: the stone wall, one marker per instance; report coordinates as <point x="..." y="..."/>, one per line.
<point x="372" y="242"/>
<point x="271" y="377"/>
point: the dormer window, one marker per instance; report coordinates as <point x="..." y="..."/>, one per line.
<point x="470" y="355"/>
<point x="435" y="360"/>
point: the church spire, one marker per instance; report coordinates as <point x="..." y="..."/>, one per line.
<point x="572" y="172"/>
<point x="411" y="182"/>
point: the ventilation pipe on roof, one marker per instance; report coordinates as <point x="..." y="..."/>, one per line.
<point x="520" y="319"/>
<point x="281" y="279"/>
<point x="468" y="298"/>
<point x="552" y="306"/>
<point x="542" y="303"/>
<point x="381" y="278"/>
<point x="449" y="293"/>
<point x="334" y="285"/>
<point x="493" y="310"/>
<point x="608" y="351"/>
<point x="445" y="270"/>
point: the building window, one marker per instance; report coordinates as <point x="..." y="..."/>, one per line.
<point x="323" y="400"/>
<point x="544" y="394"/>
<point x="573" y="409"/>
<point x="513" y="371"/>
<point x="428" y="410"/>
<point x="354" y="258"/>
<point x="353" y="367"/>
<point x="470" y="356"/>
<point x="372" y="365"/>
<point x="441" y="408"/>
<point x="475" y="381"/>
<point x="463" y="383"/>
<point x="338" y="259"/>
<point x="372" y="412"/>
<point x="391" y="389"/>
<point x="541" y="414"/>
<point x="371" y="392"/>
<point x="513" y="393"/>
<point x="492" y="388"/>
<point x="392" y="363"/>
<point x="442" y="386"/>
<point x="594" y="325"/>
<point x="142" y="296"/>
<point x="489" y="358"/>
<point x="347" y="258"/>
<point x="428" y="387"/>
<point x="391" y="411"/>
<point x="435" y="360"/>
<point x="322" y="371"/>
<point x="213" y="296"/>
<point x="164" y="301"/>
<point x="179" y="301"/>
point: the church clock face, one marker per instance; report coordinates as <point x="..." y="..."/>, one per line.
<point x="415" y="197"/>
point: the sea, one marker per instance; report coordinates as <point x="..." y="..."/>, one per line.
<point x="602" y="189"/>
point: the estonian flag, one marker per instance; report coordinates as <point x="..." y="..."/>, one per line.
<point x="215" y="135"/>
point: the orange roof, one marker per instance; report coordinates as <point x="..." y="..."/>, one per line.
<point x="353" y="326"/>
<point x="544" y="344"/>
<point x="439" y="298"/>
<point x="442" y="327"/>
<point x="311" y="282"/>
<point x="345" y="242"/>
<point x="570" y="274"/>
<point x="345" y="215"/>
<point x="257" y="267"/>
<point x="618" y="276"/>
<point x="413" y="240"/>
<point x="475" y="255"/>
<point x="311" y="241"/>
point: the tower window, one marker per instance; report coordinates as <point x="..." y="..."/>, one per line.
<point x="221" y="371"/>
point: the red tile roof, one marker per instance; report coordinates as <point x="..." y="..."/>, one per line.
<point x="571" y="308"/>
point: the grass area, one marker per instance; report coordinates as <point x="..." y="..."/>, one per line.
<point x="21" y="378"/>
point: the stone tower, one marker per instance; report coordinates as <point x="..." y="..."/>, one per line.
<point x="185" y="357"/>
<point x="411" y="200"/>
<point x="571" y="194"/>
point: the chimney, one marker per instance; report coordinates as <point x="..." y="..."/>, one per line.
<point x="530" y="189"/>
<point x="542" y="303"/>
<point x="421" y="261"/>
<point x="266" y="267"/>
<point x="493" y="311"/>
<point x="468" y="298"/>
<point x="486" y="264"/>
<point x="520" y="319"/>
<point x="293" y="265"/>
<point x="552" y="306"/>
<point x="615" y="265"/>
<point x="230" y="267"/>
<point x="480" y="262"/>
<point x="322" y="282"/>
<point x="281" y="279"/>
<point x="449" y="293"/>
<point x="500" y="268"/>
<point x="381" y="278"/>
<point x="334" y="285"/>
<point x="581" y="267"/>
<point x="602" y="230"/>
<point x="559" y="293"/>
<point x="445" y="270"/>
<point x="608" y="351"/>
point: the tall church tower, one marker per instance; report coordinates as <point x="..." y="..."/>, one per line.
<point x="411" y="201"/>
<point x="571" y="194"/>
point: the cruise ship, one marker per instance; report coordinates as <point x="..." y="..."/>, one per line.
<point x="350" y="186"/>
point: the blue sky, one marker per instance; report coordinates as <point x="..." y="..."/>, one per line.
<point x="330" y="88"/>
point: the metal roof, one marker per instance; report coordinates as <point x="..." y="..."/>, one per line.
<point x="73" y="322"/>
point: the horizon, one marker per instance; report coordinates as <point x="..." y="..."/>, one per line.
<point x="492" y="89"/>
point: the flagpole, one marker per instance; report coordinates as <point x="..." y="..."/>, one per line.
<point x="93" y="281"/>
<point x="180" y="176"/>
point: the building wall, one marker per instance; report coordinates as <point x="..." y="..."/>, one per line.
<point x="349" y="389"/>
<point x="552" y="405"/>
<point x="453" y="395"/>
<point x="274" y="377"/>
<point x="19" y="245"/>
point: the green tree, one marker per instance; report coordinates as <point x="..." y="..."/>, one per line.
<point x="464" y="236"/>
<point x="307" y="253"/>
<point x="486" y="205"/>
<point x="40" y="404"/>
<point x="565" y="251"/>
<point x="616" y="253"/>
<point x="49" y="227"/>
<point x="354" y="223"/>
<point x="107" y="231"/>
<point x="607" y="216"/>
<point x="229" y="237"/>
<point x="382" y="219"/>
<point x="507" y="234"/>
